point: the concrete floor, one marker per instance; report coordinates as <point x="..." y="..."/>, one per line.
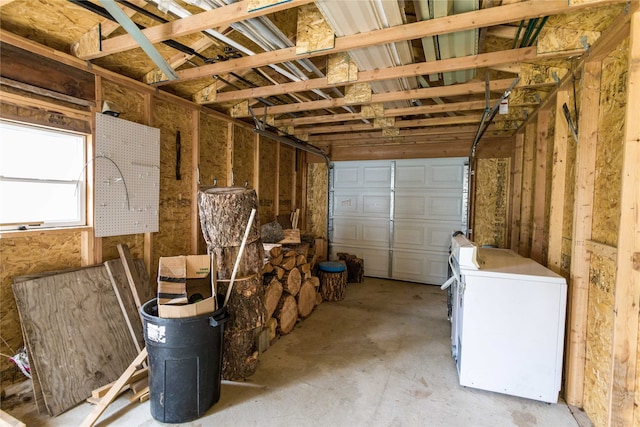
<point x="381" y="357"/>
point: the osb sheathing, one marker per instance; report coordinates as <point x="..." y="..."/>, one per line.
<point x="600" y="318"/>
<point x="42" y="117"/>
<point x="19" y="256"/>
<point x="285" y="192"/>
<point x="491" y="201"/>
<point x="317" y="192"/>
<point x="606" y="203"/>
<point x="213" y="150"/>
<point x="176" y="198"/>
<point x="243" y="161"/>
<point x="268" y="191"/>
<point x="132" y="108"/>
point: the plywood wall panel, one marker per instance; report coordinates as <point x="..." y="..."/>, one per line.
<point x="491" y="201"/>
<point x="268" y="180"/>
<point x="22" y="255"/>
<point x="606" y="212"/>
<point x="213" y="150"/>
<point x="285" y="192"/>
<point x="243" y="160"/>
<point x="130" y="102"/>
<point x="176" y="196"/>
<point x="599" y="334"/>
<point x="317" y="192"/>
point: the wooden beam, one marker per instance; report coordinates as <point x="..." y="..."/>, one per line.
<point x="437" y="121"/>
<point x="516" y="198"/>
<point x="540" y="194"/>
<point x="431" y="92"/>
<point x="411" y="70"/>
<point x="219" y="17"/>
<point x="433" y="131"/>
<point x="195" y="172"/>
<point x="230" y="160"/>
<point x="615" y="33"/>
<point x="558" y="187"/>
<point x="627" y="292"/>
<point x="397" y="151"/>
<point x="433" y="27"/>
<point x="582" y="225"/>
<point x="524" y="247"/>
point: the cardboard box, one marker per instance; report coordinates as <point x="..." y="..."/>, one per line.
<point x="179" y="278"/>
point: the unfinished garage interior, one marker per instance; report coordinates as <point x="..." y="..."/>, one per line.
<point x="372" y="128"/>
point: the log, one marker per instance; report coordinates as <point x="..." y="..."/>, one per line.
<point x="277" y="260"/>
<point x="275" y="251"/>
<point x="286" y="314"/>
<point x="318" y="298"/>
<point x="267" y="268"/>
<point x="272" y="326"/>
<point x="288" y="263"/>
<point x="315" y="281"/>
<point x="290" y="253"/>
<point x="291" y="281"/>
<point x="279" y="272"/>
<point x="224" y="214"/>
<point x="251" y="263"/>
<point x="355" y="267"/>
<point x="246" y="303"/>
<point x="332" y="285"/>
<point x="306" y="299"/>
<point x="240" y="354"/>
<point x="300" y="260"/>
<point x="272" y="295"/>
<point x="305" y="268"/>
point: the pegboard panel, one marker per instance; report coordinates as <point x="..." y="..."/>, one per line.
<point x="127" y="166"/>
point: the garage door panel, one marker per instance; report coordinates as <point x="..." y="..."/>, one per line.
<point x="350" y="203"/>
<point x="361" y="232"/>
<point x="375" y="233"/>
<point x="376" y="204"/>
<point x="346" y="230"/>
<point x="376" y="261"/>
<point x="425" y="267"/>
<point x="346" y="204"/>
<point x="435" y="205"/>
<point x="423" y="235"/>
<point x="362" y="174"/>
<point x="377" y="176"/>
<point x="435" y="173"/>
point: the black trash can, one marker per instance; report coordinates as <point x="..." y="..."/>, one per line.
<point x="185" y="363"/>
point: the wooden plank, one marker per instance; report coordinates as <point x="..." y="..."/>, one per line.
<point x="582" y="224"/>
<point x="538" y="238"/>
<point x="218" y="17"/>
<point x="524" y="244"/>
<point x="6" y="420"/>
<point x="430" y="92"/>
<point x="627" y="292"/>
<point x="602" y="250"/>
<point x="411" y="70"/>
<point x="113" y="392"/>
<point x="132" y="274"/>
<point x="123" y="293"/>
<point x="77" y="335"/>
<point x="100" y="392"/>
<point x="558" y="178"/>
<point x="390" y="152"/>
<point x="195" y="180"/>
<point x="433" y="27"/>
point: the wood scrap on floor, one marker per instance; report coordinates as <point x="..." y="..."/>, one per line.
<point x="6" y="420"/>
<point x="355" y="267"/>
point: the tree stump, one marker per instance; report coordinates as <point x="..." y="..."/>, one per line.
<point x="286" y="314"/>
<point x="306" y="299"/>
<point x="355" y="267"/>
<point x="332" y="285"/>
<point x="224" y="214"/>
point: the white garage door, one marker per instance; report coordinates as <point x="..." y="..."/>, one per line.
<point x="398" y="215"/>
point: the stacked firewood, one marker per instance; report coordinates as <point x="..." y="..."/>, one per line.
<point x="291" y="290"/>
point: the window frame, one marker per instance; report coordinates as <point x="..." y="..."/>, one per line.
<point x="80" y="183"/>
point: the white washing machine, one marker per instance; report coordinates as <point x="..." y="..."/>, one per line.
<point x="507" y="322"/>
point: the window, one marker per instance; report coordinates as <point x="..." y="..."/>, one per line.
<point x="42" y="177"/>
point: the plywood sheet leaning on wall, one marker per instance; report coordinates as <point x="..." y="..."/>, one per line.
<point x="491" y="199"/>
<point x="599" y="334"/>
<point x="606" y="204"/>
<point x="268" y="180"/>
<point x="76" y="332"/>
<point x="23" y="255"/>
<point x="317" y="199"/>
